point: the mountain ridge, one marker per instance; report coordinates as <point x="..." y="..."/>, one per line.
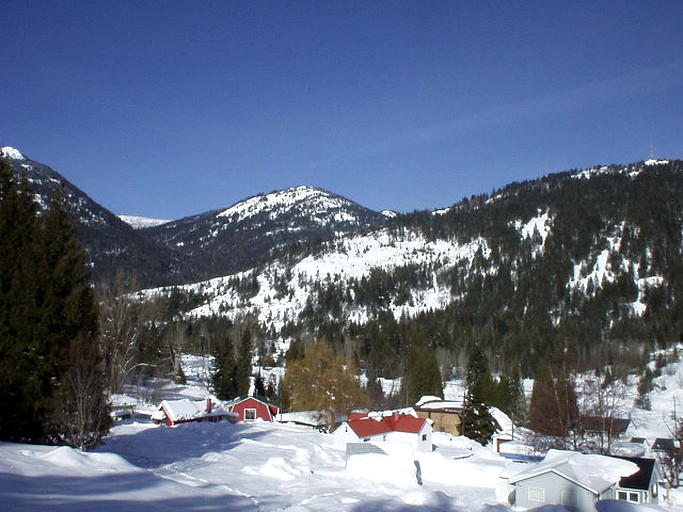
<point x="260" y="227"/>
<point x="200" y="246"/>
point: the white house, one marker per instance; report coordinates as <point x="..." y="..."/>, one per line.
<point x="395" y="428"/>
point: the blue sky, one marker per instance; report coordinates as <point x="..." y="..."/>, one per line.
<point x="168" y="108"/>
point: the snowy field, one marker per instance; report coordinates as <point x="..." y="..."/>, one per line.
<point x="220" y="466"/>
<point x="270" y="467"/>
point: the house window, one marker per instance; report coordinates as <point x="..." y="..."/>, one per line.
<point x="537" y="494"/>
<point x="633" y="496"/>
<point x="424" y="437"/>
<point x="366" y="439"/>
<point x="621" y="495"/>
<point x="249" y="414"/>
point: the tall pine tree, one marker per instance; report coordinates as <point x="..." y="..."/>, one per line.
<point x="422" y="375"/>
<point x="223" y="379"/>
<point x="80" y="411"/>
<point x="24" y="384"/>
<point x="478" y="423"/>
<point x="49" y="337"/>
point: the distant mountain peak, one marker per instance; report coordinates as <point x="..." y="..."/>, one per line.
<point x="282" y="200"/>
<point x="11" y="153"/>
<point x="137" y="222"/>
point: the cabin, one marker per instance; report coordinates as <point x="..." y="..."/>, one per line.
<point x="446" y="415"/>
<point x="642" y="486"/>
<point x="569" y="479"/>
<point x="174" y="412"/>
<point x="604" y="430"/>
<point x="251" y="409"/>
<point x="393" y="428"/>
<point x="665" y="447"/>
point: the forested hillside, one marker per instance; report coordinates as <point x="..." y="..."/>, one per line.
<point x="585" y="264"/>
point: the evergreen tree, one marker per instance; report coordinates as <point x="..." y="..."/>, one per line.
<point x="223" y="379"/>
<point x="422" y="375"/>
<point x="243" y="369"/>
<point x="510" y="398"/>
<point x="24" y="380"/>
<point x="69" y="324"/>
<point x="478" y="423"/>
<point x="52" y="387"/>
<point x="260" y="388"/>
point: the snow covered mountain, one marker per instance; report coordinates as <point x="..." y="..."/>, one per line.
<point x="590" y="258"/>
<point x="221" y="242"/>
<point x="137" y="222"/>
<point x="110" y="243"/>
<point x="214" y="243"/>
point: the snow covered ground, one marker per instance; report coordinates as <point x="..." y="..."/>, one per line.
<point x="268" y="467"/>
<point x="220" y="466"/>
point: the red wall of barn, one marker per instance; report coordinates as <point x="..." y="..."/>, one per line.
<point x="250" y="403"/>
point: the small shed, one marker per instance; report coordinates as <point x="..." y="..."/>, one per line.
<point x="251" y="408"/>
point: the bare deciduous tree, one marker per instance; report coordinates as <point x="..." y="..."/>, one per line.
<point x="122" y="321"/>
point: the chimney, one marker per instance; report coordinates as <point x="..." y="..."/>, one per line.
<point x="209" y="405"/>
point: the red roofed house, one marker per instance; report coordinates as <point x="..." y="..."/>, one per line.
<point x="396" y="428"/>
<point x="173" y="412"/>
<point x="251" y="409"/>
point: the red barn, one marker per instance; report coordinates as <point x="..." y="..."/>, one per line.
<point x="251" y="409"/>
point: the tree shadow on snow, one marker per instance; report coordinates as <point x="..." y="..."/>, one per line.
<point x="156" y="447"/>
<point x="112" y="492"/>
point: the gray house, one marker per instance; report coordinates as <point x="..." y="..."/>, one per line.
<point x="569" y="478"/>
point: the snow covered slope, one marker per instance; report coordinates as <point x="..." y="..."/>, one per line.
<point x="242" y="236"/>
<point x="137" y="222"/>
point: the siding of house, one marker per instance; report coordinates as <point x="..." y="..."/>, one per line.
<point x="551" y="488"/>
<point x="420" y="441"/>
<point x="262" y="409"/>
<point x="450" y="422"/>
<point x="344" y="434"/>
